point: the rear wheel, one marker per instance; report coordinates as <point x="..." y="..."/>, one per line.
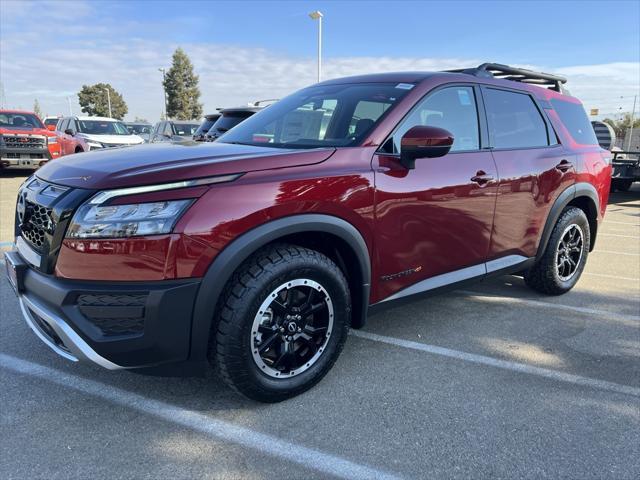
<point x="565" y="256"/>
<point x="621" y="185"/>
<point x="283" y="323"/>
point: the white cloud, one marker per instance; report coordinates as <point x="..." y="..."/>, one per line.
<point x="229" y="75"/>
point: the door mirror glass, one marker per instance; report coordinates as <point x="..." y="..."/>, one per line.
<point x="424" y="142"/>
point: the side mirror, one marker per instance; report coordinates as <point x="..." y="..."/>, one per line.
<point x="68" y="131"/>
<point x="51" y="128"/>
<point x="424" y="142"/>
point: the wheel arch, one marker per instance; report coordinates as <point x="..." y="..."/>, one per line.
<point x="331" y="235"/>
<point x="581" y="195"/>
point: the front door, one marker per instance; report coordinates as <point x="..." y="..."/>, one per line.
<point x="433" y="223"/>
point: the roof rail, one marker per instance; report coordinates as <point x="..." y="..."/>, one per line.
<point x="523" y="75"/>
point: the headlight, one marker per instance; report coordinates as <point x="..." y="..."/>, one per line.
<point x="94" y="145"/>
<point x="118" y="221"/>
<point x="51" y="140"/>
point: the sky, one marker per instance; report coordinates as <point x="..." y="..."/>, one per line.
<point x="247" y="51"/>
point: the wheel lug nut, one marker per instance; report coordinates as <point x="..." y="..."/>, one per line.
<point x="299" y="329"/>
<point x="282" y="329"/>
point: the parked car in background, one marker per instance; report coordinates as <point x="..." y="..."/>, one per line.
<point x="143" y="130"/>
<point x="174" y="131"/>
<point x="25" y="142"/>
<point x="201" y="132"/>
<point x="229" y="118"/>
<point x="94" y="133"/>
<point x="51" y="122"/>
<point x="259" y="252"/>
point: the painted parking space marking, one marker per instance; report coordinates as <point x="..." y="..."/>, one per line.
<point x="616" y="235"/>
<point x="631" y="320"/>
<point x="616" y="253"/>
<point x="211" y="427"/>
<point x="502" y="364"/>
<point x="614" y="277"/>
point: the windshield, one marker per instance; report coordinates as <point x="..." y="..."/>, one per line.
<point x="227" y="121"/>
<point x="320" y="116"/>
<point x="51" y="121"/>
<point x="102" y="127"/>
<point x="19" y="120"/>
<point x="185" y="129"/>
<point x="206" y="125"/>
<point x="139" y="128"/>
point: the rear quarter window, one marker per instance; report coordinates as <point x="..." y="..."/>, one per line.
<point x="575" y="120"/>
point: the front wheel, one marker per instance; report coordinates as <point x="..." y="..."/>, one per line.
<point x="565" y="256"/>
<point x="283" y="323"/>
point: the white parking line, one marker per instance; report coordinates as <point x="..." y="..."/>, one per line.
<point x="616" y="253"/>
<point x="616" y="235"/>
<point x="630" y="320"/>
<point x="212" y="427"/>
<point x="503" y="364"/>
<point x="614" y="277"/>
<point x="607" y="222"/>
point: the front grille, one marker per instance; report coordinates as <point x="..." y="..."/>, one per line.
<point x="11" y="155"/>
<point x="114" y="314"/>
<point x="36" y="224"/>
<point x="24" y="142"/>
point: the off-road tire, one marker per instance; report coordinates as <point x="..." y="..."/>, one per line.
<point x="231" y="344"/>
<point x="544" y="276"/>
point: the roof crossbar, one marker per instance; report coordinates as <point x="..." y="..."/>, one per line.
<point x="523" y="75"/>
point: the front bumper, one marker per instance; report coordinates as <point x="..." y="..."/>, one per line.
<point x="112" y="324"/>
<point x="23" y="158"/>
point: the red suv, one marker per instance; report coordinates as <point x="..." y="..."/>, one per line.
<point x="259" y="251"/>
<point x="25" y="142"/>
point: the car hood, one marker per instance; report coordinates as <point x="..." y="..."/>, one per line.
<point x="26" y="131"/>
<point x="112" y="139"/>
<point x="149" y="164"/>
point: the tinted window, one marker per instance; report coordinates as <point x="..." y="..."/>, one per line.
<point x="51" y="121"/>
<point x="185" y="129"/>
<point x="452" y="108"/>
<point x="576" y="121"/>
<point x="320" y="116"/>
<point x="62" y="125"/>
<point x="19" y="120"/>
<point x="514" y="120"/>
<point x="206" y="125"/>
<point x="227" y="121"/>
<point x="101" y="127"/>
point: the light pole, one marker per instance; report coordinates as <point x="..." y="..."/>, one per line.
<point x="109" y="101"/>
<point x="317" y="15"/>
<point x="633" y="117"/>
<point x="69" y="103"/>
<point x="164" y="89"/>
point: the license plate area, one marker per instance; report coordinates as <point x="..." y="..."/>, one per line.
<point x="15" y="269"/>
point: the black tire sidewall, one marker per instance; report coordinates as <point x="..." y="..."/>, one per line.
<point x="245" y="373"/>
<point x="570" y="217"/>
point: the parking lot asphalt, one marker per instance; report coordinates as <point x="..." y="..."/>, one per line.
<point x="493" y="381"/>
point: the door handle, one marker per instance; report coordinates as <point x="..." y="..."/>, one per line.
<point x="481" y="178"/>
<point x="564" y="165"/>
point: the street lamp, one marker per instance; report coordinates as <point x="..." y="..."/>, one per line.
<point x="317" y="15"/>
<point x="109" y="102"/>
<point x="164" y="89"/>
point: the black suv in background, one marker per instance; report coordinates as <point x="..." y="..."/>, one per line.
<point x="209" y="120"/>
<point x="174" y="131"/>
<point x="229" y="118"/>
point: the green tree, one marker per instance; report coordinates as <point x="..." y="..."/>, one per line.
<point x="36" y="108"/>
<point x="623" y="124"/>
<point x="181" y="85"/>
<point x="94" y="102"/>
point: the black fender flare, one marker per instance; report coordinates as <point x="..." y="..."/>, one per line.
<point x="580" y="189"/>
<point x="234" y="254"/>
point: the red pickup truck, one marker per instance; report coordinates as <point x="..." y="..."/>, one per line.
<point x="25" y="143"/>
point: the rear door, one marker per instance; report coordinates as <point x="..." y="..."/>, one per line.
<point x="433" y="223"/>
<point x="533" y="168"/>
